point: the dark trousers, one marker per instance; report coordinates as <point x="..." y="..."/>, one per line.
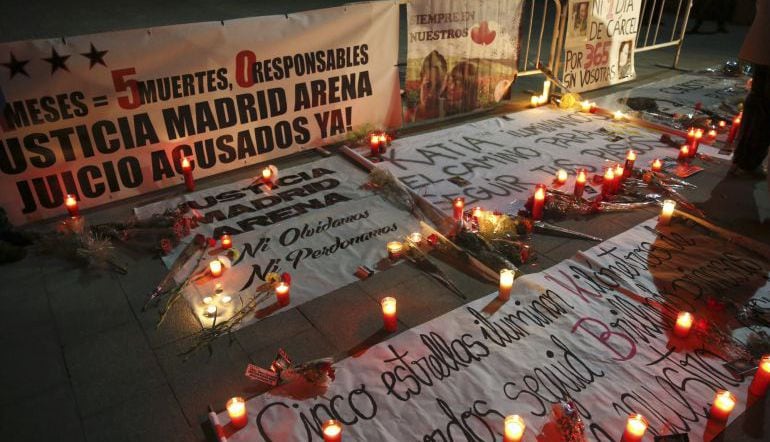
<point x="754" y="137"/>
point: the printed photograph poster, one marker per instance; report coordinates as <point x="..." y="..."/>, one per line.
<point x="109" y="116"/>
<point x="600" y="42"/>
<point x="462" y="55"/>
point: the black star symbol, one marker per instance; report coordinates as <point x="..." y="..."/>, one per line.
<point x="16" y="66"/>
<point x="57" y="61"/>
<point x="95" y="56"/>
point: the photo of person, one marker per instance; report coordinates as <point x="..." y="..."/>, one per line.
<point x="432" y="76"/>
<point x="461" y="88"/>
<point x="625" y="65"/>
<point x="579" y="20"/>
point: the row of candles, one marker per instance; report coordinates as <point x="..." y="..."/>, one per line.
<point x="514" y="425"/>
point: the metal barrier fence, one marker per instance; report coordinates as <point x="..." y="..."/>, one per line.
<point x="546" y="18"/>
<point x="651" y="19"/>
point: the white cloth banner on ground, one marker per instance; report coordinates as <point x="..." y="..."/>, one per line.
<point x="496" y="163"/>
<point x="108" y="116"/>
<point x="462" y="55"/>
<point x="596" y="329"/>
<point x="600" y="42"/>
<point x="317" y="224"/>
<point x="664" y="100"/>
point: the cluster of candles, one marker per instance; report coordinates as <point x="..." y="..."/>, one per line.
<point x="588" y="106"/>
<point x="211" y="302"/>
<point x="539" y="100"/>
<point x="378" y="144"/>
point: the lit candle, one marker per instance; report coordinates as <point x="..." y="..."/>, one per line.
<point x="629" y="166"/>
<point x="374" y="145"/>
<point x="580" y="183"/>
<point x="513" y="428"/>
<point x="71" y="203"/>
<point x="618" y="178"/>
<point x="188" y="176"/>
<point x="332" y="431"/>
<point x="534" y="101"/>
<point x="389" y="314"/>
<point x="722" y="124"/>
<point x="267" y="175"/>
<point x="724" y="402"/>
<point x="383" y="143"/>
<point x="236" y="409"/>
<point x="585" y="106"/>
<point x="761" y="379"/>
<point x="561" y="177"/>
<point x="609" y="181"/>
<point x="226" y="299"/>
<point x="734" y="129"/>
<point x="415" y="237"/>
<point x="215" y="266"/>
<point x="458" y="207"/>
<point x="657" y="165"/>
<point x="395" y="248"/>
<point x="476" y="212"/>
<point x="696" y="142"/>
<point x="618" y="115"/>
<point x="282" y="293"/>
<point x="636" y="426"/>
<point x="211" y="311"/>
<point x="712" y="134"/>
<point x="690" y="136"/>
<point x="208" y="300"/>
<point x="506" y="282"/>
<point x="683" y="324"/>
<point x="547" y="88"/>
<point x="227" y="242"/>
<point x="684" y="153"/>
<point x="538" y="202"/>
<point x="667" y="212"/>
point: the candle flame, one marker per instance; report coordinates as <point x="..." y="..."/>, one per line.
<point x="581" y="176"/>
<point x="540" y="193"/>
<point x="636" y="424"/>
<point x="185" y="163"/>
<point x="388" y="305"/>
<point x="561" y="176"/>
<point x="71" y="201"/>
<point x="631" y="155"/>
<point x="332" y="428"/>
<point x="724" y="400"/>
<point x="514" y="427"/>
<point x="267" y="173"/>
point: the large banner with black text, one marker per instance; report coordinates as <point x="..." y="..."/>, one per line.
<point x="315" y="222"/>
<point x="600" y="42"/>
<point x="595" y="330"/>
<point x="109" y="116"/>
<point x="462" y="55"/>
<point x="496" y="163"/>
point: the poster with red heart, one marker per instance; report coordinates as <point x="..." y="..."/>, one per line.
<point x="462" y="56"/>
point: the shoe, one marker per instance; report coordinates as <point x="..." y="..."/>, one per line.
<point x="756" y="173"/>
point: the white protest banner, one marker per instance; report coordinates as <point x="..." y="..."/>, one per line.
<point x="670" y="101"/>
<point x="462" y="55"/>
<point x="496" y="163"/>
<point x="600" y="43"/>
<point x="108" y="116"/>
<point x="596" y="329"/>
<point x="316" y="223"/>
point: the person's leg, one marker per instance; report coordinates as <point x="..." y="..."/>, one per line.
<point x="754" y="137"/>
